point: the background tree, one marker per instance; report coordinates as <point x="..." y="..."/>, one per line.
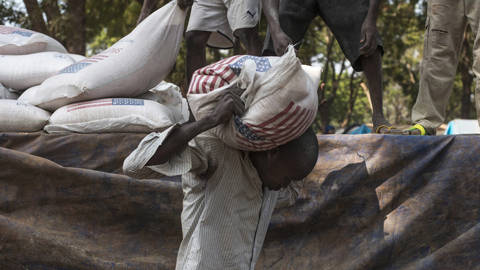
<point x="90" y="26"/>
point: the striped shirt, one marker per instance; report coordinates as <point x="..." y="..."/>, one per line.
<point x="226" y="212"/>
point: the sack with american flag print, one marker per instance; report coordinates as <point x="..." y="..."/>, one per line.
<point x="18" y="41"/>
<point x="280" y="98"/>
<point x="129" y="68"/>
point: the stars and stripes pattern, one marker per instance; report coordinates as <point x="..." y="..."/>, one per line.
<point x="7" y="30"/>
<point x="289" y="123"/>
<point x="223" y="72"/>
<point x="76" y="67"/>
<point x="281" y="128"/>
<point x="105" y="102"/>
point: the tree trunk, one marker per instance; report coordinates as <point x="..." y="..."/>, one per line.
<point x="76" y="22"/>
<point x="36" y="16"/>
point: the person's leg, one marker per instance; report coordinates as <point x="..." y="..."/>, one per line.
<point x="250" y="39"/>
<point x="295" y="17"/>
<point x="207" y="26"/>
<point x="345" y="19"/>
<point x="196" y="42"/>
<point x="372" y="68"/>
<point x="473" y="17"/>
<point x="444" y="34"/>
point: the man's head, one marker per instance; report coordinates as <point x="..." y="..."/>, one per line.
<point x="290" y="162"/>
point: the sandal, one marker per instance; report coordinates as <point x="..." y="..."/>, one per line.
<point x="417" y="129"/>
<point x="384" y="129"/>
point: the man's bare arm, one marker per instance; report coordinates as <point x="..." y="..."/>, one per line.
<point x="369" y="29"/>
<point x="280" y="39"/>
<point x="228" y="105"/>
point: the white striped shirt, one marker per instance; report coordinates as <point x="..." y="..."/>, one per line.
<point x="226" y="212"/>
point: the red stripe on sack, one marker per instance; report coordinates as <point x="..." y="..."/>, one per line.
<point x="89" y="61"/>
<point x="305" y="124"/>
<point x="273" y="132"/>
<point x="278" y="126"/>
<point x="277" y="116"/>
<point x="89" y="106"/>
<point x="90" y="102"/>
<point x="269" y="143"/>
<point x="279" y="137"/>
<point x="252" y="145"/>
<point x="192" y="88"/>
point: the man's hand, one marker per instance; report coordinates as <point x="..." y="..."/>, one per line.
<point x="184" y="4"/>
<point x="369" y="39"/>
<point x="229" y="103"/>
<point x="280" y="42"/>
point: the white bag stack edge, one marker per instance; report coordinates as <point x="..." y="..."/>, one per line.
<point x="15" y="40"/>
<point x="169" y="94"/>
<point x="7" y="93"/>
<point x="129" y="68"/>
<point x="16" y="116"/>
<point x="24" y="71"/>
<point x="113" y="115"/>
<point x="280" y="98"/>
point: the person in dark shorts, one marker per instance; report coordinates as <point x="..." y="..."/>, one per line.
<point x="353" y="22"/>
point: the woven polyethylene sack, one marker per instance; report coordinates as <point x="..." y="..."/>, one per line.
<point x="8" y="93"/>
<point x="17" y="116"/>
<point x="24" y="71"/>
<point x="169" y="94"/>
<point x="15" y="40"/>
<point x="280" y="98"/>
<point x="77" y="57"/>
<point x="113" y="115"/>
<point x="132" y="66"/>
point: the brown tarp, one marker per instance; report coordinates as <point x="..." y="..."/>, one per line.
<point x="373" y="202"/>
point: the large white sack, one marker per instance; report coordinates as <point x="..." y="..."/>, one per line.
<point x="113" y="115"/>
<point x="280" y="98"/>
<point x="24" y="71"/>
<point x="7" y="93"/>
<point x="168" y="94"/>
<point x="16" y="116"/>
<point x="15" y="40"/>
<point x="129" y="68"/>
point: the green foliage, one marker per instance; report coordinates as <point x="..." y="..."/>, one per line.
<point x="343" y="100"/>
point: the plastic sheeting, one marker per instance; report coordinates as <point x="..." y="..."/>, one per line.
<point x="372" y="202"/>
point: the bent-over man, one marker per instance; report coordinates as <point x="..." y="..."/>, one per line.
<point x="229" y="194"/>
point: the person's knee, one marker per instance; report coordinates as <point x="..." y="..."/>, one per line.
<point x="245" y="34"/>
<point x="196" y="39"/>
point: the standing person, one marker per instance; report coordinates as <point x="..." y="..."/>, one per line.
<point x="446" y="24"/>
<point x="227" y="202"/>
<point x="216" y="23"/>
<point x="353" y="22"/>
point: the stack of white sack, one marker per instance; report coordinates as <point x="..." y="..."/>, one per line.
<point x="16" y="116"/>
<point x="7" y="93"/>
<point x="24" y="71"/>
<point x="166" y="108"/>
<point x="280" y="98"/>
<point x="129" y="68"/>
<point x="15" y="40"/>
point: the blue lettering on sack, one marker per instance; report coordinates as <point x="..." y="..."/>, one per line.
<point x="127" y="101"/>
<point x="23" y="33"/>
<point x="262" y="63"/>
<point x="245" y="131"/>
<point x="74" y="68"/>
